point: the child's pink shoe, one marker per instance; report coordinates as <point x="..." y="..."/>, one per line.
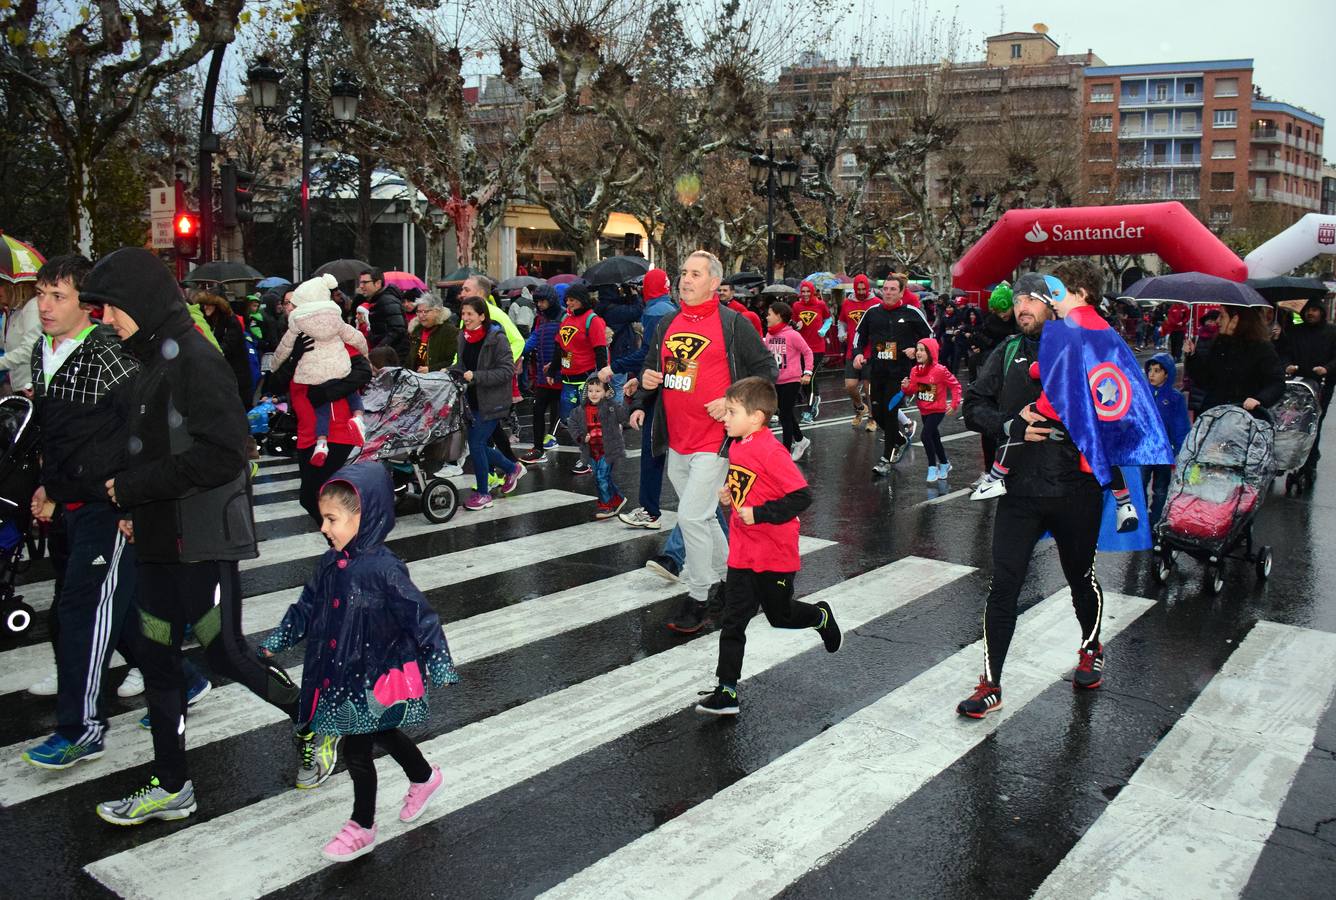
<point x="353" y="841"/>
<point x="418" y="794"/>
<point x="321" y="451"/>
<point x="355" y="426"/>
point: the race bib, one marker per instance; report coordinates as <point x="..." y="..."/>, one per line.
<point x="680" y="375"/>
<point x="886" y="350"/>
<point x="566" y="362"/>
<point x="928" y="393"/>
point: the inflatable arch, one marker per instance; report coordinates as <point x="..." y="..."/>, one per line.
<point x="1312" y="235"/>
<point x="1166" y="229"/>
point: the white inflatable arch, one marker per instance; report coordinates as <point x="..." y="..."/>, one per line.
<point x="1312" y="235"/>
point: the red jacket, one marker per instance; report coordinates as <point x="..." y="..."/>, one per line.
<point x="1176" y="322"/>
<point x="932" y="383"/>
<point x="339" y="414"/>
<point x="747" y="314"/>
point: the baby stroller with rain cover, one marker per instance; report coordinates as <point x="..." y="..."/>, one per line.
<point x="19" y="473"/>
<point x="406" y="412"/>
<point x="1220" y="479"/>
<point x="1298" y="416"/>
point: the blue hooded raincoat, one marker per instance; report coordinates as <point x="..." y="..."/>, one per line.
<point x="372" y="640"/>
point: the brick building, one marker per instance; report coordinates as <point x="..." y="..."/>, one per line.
<point x="1203" y="134"/>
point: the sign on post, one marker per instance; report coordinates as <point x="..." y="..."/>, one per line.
<point x="162" y="209"/>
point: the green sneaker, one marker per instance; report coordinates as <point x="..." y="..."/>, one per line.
<point x="494" y="481"/>
<point x="149" y="802"/>
<point x="319" y="754"/>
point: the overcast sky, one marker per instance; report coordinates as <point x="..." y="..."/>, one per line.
<point x="1291" y="42"/>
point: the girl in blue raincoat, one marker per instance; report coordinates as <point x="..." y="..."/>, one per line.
<point x="372" y="645"/>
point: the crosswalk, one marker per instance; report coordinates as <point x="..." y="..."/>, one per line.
<point x="567" y="672"/>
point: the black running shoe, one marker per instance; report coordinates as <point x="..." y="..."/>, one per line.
<point x="1089" y="672"/>
<point x="897" y="452"/>
<point x="714" y="607"/>
<point x="828" y="629"/>
<point x="987" y="697"/>
<point x="690" y="619"/>
<point x="721" y="701"/>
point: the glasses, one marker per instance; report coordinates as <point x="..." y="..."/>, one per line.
<point x="364" y="281"/>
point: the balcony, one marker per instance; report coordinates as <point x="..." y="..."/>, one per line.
<point x="1267" y="165"/>
<point x="1271" y="195"/>
<point x="1160" y="162"/>
<point x="1188" y="192"/>
<point x="1146" y="134"/>
<point x="1157" y="102"/>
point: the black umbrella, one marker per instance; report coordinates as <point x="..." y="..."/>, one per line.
<point x="221" y="270"/>
<point x="1195" y="289"/>
<point x="616" y="270"/>
<point x="459" y="276"/>
<point x="1285" y="287"/>
<point x="519" y="283"/>
<point x="741" y="279"/>
<point x="345" y="270"/>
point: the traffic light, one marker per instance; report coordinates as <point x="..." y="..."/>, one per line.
<point x="235" y="199"/>
<point x="185" y="233"/>
<point x="788" y="247"/>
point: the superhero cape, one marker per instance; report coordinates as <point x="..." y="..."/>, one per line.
<point x="1094" y="383"/>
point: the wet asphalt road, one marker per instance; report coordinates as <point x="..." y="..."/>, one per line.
<point x="995" y="822"/>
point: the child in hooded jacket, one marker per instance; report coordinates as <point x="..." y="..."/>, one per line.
<point x="1161" y="372"/>
<point x="540" y="349"/>
<point x="938" y="394"/>
<point x="370" y="634"/>
<point x="596" y="424"/>
<point x="793" y="356"/>
<point x="316" y="315"/>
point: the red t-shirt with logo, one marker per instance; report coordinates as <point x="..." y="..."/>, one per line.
<point x="695" y="371"/>
<point x="809" y="316"/>
<point x="761" y="470"/>
<point x="576" y="339"/>
<point x="851" y="313"/>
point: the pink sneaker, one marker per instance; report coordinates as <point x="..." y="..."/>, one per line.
<point x="353" y="841"/>
<point x="321" y="451"/>
<point x="355" y="426"/>
<point x="478" y="501"/>
<point x="418" y="794"/>
<point x="513" y="479"/>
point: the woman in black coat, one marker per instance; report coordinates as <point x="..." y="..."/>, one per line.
<point x="1240" y="366"/>
<point x="231" y="340"/>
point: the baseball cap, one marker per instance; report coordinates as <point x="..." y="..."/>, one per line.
<point x="1046" y="288"/>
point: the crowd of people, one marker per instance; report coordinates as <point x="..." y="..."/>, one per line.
<point x="141" y="398"/>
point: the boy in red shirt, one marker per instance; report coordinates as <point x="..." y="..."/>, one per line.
<point x="766" y="492"/>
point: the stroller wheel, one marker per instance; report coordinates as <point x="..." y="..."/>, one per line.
<point x="1163" y="566"/>
<point x="1215" y="578"/>
<point x="19" y="618"/>
<point x="1264" y="563"/>
<point x="439" y="501"/>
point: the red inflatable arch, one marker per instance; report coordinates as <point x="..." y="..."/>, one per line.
<point x="1166" y="229"/>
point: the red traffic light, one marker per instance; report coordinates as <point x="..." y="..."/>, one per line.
<point x="187" y="224"/>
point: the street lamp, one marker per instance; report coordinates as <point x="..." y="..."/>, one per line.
<point x="767" y="174"/>
<point x="265" y="85"/>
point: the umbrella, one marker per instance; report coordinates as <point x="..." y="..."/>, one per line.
<point x="739" y="279"/>
<point x="518" y="283"/>
<point x="824" y="281"/>
<point x="18" y="261"/>
<point x="563" y="279"/>
<point x="345" y="270"/>
<point x="1195" y="289"/>
<point x="272" y="281"/>
<point x="459" y="276"/>
<point x="616" y="270"/>
<point x="221" y="271"/>
<point x="406" y="281"/>
<point x="779" y="290"/>
<point x="1285" y="287"/>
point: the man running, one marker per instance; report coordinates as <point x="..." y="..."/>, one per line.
<point x="884" y="344"/>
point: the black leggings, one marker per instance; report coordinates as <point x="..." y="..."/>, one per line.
<point x="788" y="417"/>
<point x="744" y="591"/>
<point x="884" y="414"/>
<point x="1020" y="523"/>
<point x="545" y="401"/>
<point x="314" y="477"/>
<point x="932" y="438"/>
<point x="207" y="595"/>
<point x="362" y="770"/>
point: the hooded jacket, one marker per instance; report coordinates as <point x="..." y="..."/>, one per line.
<point x="540" y="348"/>
<point x="373" y="642"/>
<point x="612" y="415"/>
<point x="442" y="343"/>
<point x="993" y="401"/>
<point x="792" y="356"/>
<point x="1171" y="403"/>
<point x="185" y="478"/>
<point x="811" y="315"/>
<point x="388" y="326"/>
<point x="932" y="383"/>
<point x="658" y="303"/>
<point x="1309" y="346"/>
<point x="620" y="314"/>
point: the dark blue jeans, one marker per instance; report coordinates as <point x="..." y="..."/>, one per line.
<point x="1157" y="484"/>
<point x="651" y="469"/>
<point x="607" y="488"/>
<point x="485" y="457"/>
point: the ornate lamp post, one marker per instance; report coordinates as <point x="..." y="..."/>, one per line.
<point x="767" y="174"/>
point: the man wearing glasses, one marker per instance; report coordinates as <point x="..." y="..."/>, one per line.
<point x="388" y="328"/>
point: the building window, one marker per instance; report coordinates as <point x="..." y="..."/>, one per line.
<point x="1222" y="149"/>
<point x="1226" y="87"/>
<point x="1015" y="51"/>
<point x="1134" y="89"/>
<point x="1188" y="121"/>
<point x="1099" y="184"/>
<point x="1222" y="181"/>
<point x="1226" y="118"/>
<point x="1161" y="92"/>
<point x="1222" y="215"/>
<point x="1101" y="123"/>
<point x="1159" y="123"/>
<point x="1101" y="151"/>
<point x="848" y="162"/>
<point x="1101" y="93"/>
<point x="1190" y="89"/>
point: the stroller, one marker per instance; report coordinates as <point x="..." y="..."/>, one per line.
<point x="405" y="412"/>
<point x="19" y="473"/>
<point x="1221" y="478"/>
<point x="1298" y="416"/>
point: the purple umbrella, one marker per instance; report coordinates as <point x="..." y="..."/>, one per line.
<point x="562" y="279"/>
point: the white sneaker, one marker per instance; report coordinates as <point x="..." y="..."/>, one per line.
<point x="800" y="448"/>
<point x="932" y="474"/>
<point x="132" y="686"/>
<point x="47" y="687"/>
<point x="449" y="470"/>
<point x="640" y="518"/>
<point x="943" y="470"/>
<point x="1127" y="517"/>
<point x="989" y="489"/>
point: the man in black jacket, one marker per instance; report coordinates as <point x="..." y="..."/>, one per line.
<point x="389" y="328"/>
<point x="885" y="342"/>
<point x="81" y="382"/>
<point x="1308" y="351"/>
<point x="1049" y="493"/>
<point x="186" y="486"/>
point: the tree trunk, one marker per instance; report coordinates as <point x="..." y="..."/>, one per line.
<point x="362" y="242"/>
<point x="79" y="202"/>
<point x="588" y="251"/>
<point x="835" y="256"/>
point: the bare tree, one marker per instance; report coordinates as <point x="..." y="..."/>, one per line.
<point x="87" y="81"/>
